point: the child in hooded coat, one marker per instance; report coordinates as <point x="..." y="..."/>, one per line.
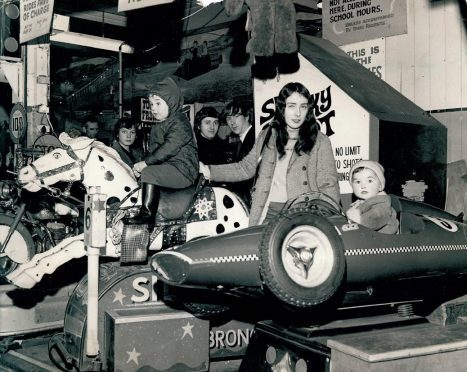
<point x="172" y="159"/>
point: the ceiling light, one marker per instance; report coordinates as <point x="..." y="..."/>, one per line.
<point x="319" y="4"/>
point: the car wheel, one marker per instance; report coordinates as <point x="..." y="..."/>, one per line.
<point x="301" y="258"/>
<point x="20" y="247"/>
<point x="206" y="310"/>
<point x="200" y="302"/>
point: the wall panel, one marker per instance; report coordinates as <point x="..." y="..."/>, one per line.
<point x="437" y="31"/>
<point x="453" y="47"/>
<point x="421" y="53"/>
<point x="456" y="123"/>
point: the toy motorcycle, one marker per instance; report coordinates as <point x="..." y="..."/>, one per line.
<point x="34" y="223"/>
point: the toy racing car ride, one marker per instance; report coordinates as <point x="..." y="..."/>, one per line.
<point x="311" y="255"/>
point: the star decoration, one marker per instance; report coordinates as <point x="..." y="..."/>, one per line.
<point x="203" y="207"/>
<point x="187" y="330"/>
<point x="119" y="296"/>
<point x="133" y="356"/>
<point x="99" y="205"/>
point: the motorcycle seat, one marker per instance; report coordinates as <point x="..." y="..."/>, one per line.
<point x="173" y="203"/>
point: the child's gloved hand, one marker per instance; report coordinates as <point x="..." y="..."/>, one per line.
<point x="204" y="170"/>
<point x="354" y="214"/>
<point x="138" y="168"/>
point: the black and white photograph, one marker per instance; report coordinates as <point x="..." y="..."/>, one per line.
<point x="233" y="185"/>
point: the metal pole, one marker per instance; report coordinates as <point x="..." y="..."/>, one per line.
<point x="95" y="240"/>
<point x="92" y="341"/>
<point x="120" y="81"/>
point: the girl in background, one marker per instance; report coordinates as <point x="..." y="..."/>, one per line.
<point x="125" y="134"/>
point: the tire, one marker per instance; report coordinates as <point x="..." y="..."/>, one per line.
<point x="200" y="302"/>
<point x="203" y="310"/>
<point x="21" y="244"/>
<point x="290" y="270"/>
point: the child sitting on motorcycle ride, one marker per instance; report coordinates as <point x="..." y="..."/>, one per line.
<point x="172" y="159"/>
<point x="373" y="206"/>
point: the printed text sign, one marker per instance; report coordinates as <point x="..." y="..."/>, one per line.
<point x="36" y="18"/>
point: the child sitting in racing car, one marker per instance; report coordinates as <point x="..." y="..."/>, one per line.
<point x="373" y="206"/>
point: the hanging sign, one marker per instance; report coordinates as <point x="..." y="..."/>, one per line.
<point x="136" y="4"/>
<point x="36" y="18"/>
<point x="351" y="21"/>
<point x="18" y="123"/>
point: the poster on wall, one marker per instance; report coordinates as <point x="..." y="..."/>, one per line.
<point x="145" y="110"/>
<point x="370" y="54"/>
<point x="36" y="18"/>
<point x="345" y="122"/>
<point x="351" y="21"/>
<point x="212" y="64"/>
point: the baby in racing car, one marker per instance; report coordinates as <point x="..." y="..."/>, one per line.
<point x="373" y="206"/>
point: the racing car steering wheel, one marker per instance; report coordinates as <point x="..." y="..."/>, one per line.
<point x="317" y="202"/>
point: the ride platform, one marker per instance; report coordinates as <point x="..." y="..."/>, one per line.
<point x="385" y="342"/>
<point x="32" y="355"/>
<point x="380" y="343"/>
<point x="419" y="347"/>
<point x="25" y="312"/>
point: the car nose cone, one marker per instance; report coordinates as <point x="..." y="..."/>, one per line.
<point x="172" y="267"/>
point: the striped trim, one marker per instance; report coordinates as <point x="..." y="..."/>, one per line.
<point x="228" y="259"/>
<point x="409" y="249"/>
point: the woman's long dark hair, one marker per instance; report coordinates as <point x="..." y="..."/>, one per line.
<point x="307" y="132"/>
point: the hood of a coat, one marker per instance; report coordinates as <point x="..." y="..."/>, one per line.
<point x="169" y="91"/>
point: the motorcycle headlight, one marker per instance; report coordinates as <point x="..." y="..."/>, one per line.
<point x="7" y="191"/>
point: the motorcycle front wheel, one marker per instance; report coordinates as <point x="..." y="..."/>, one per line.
<point x="20" y="247"/>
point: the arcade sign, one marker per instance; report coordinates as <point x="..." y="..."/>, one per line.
<point x="18" y="123"/>
<point x="124" y="5"/>
<point x="145" y="110"/>
<point x="35" y="18"/>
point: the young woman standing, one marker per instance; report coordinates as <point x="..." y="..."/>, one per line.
<point x="290" y="157"/>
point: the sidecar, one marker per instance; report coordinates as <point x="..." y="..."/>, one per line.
<point x="312" y="255"/>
